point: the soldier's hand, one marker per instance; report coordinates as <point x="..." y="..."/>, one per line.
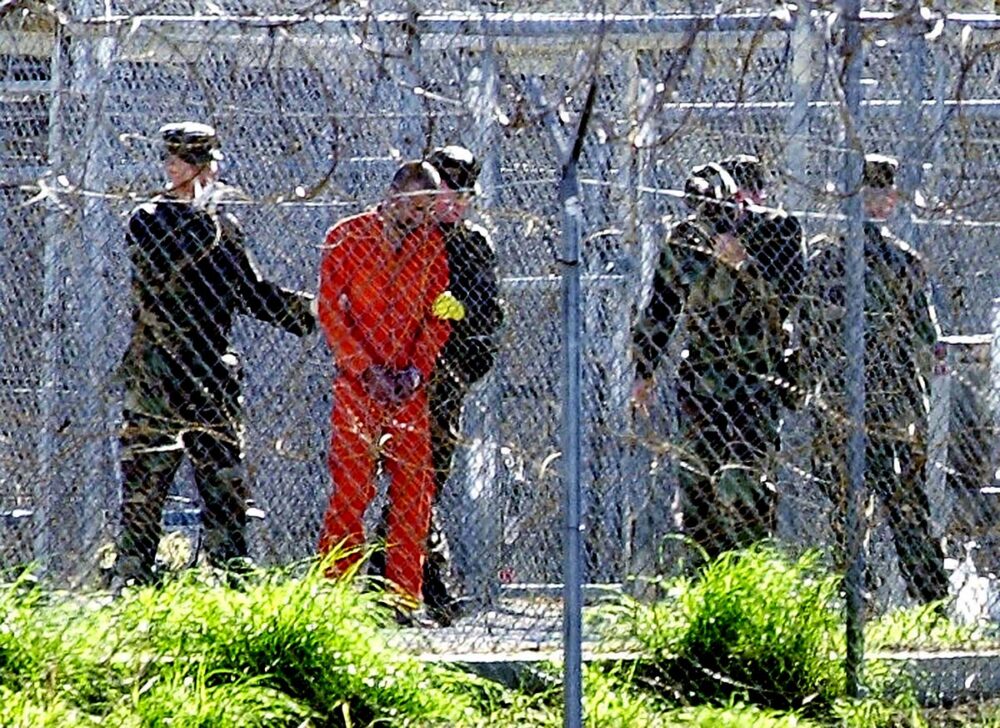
<point x="642" y="394"/>
<point x="447" y="307"/>
<point x="730" y="250"/>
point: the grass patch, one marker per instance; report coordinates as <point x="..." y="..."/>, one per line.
<point x="279" y="651"/>
<point x="735" y="715"/>
<point x="752" y="623"/>
<point x="34" y="708"/>
<point x="924" y="628"/>
<point x="755" y="639"/>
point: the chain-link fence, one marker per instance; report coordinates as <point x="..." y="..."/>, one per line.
<point x="718" y="393"/>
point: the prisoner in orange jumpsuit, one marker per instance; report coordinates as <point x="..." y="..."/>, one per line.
<point x="381" y="275"/>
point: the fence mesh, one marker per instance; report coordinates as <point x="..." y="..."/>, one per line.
<point x="714" y="297"/>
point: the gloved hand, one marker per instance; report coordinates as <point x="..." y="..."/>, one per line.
<point x="447" y="307"/>
<point x="379" y="383"/>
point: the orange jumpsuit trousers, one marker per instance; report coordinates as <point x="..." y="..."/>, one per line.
<point x="375" y="307"/>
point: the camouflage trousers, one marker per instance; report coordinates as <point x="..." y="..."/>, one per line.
<point x="728" y="500"/>
<point x="153" y="444"/>
<point x="894" y="475"/>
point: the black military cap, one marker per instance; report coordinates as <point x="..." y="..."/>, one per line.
<point x="193" y="142"/>
<point x="458" y="167"/>
<point x="880" y="171"/>
<point x="709" y="183"/>
<point x="746" y="170"/>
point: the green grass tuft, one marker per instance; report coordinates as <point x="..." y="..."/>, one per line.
<point x="924" y="628"/>
<point x="753" y="622"/>
<point x="198" y="651"/>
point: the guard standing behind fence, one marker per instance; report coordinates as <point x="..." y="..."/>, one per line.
<point x="191" y="275"/>
<point x="900" y="332"/>
<point x="717" y="313"/>
<point x="466" y="358"/>
<point x="773" y="238"/>
<point x="385" y="310"/>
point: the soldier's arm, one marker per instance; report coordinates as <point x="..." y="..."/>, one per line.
<point x="651" y="335"/>
<point x="927" y="328"/>
<point x="144" y="239"/>
<point x="434" y="331"/>
<point x="819" y="313"/>
<point x="485" y="314"/>
<point x="780" y="254"/>
<point x="265" y="300"/>
<point x="792" y="257"/>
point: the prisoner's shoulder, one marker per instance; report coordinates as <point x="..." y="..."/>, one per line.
<point x="351" y="229"/>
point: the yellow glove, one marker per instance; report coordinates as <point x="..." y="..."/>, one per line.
<point x="447" y="307"/>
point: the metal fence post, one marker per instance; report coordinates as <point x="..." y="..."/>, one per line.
<point x="993" y="395"/>
<point x="854" y="333"/>
<point x="409" y="136"/>
<point x="797" y="127"/>
<point x="569" y="197"/>
<point x="569" y="149"/>
<point x="96" y="491"/>
<point x="477" y="550"/>
<point x="44" y="495"/>
<point x="911" y="172"/>
<point x="648" y="508"/>
<point x="797" y="430"/>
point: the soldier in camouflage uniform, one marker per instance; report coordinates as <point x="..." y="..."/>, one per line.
<point x="191" y="275"/>
<point x="772" y="237"/>
<point x="717" y="313"/>
<point x="469" y="353"/>
<point x="466" y="358"/>
<point x="900" y="333"/>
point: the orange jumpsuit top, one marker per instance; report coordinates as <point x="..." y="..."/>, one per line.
<point x="375" y="301"/>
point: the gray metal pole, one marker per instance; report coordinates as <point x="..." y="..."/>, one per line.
<point x="914" y="152"/>
<point x="410" y="136"/>
<point x="45" y="497"/>
<point x="569" y="200"/>
<point x="648" y="497"/>
<point x="479" y="549"/>
<point x="797" y="127"/>
<point x="911" y="113"/>
<point x="993" y="394"/>
<point x="94" y="492"/>
<point x="854" y="335"/>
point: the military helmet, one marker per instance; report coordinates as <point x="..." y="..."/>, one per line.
<point x="191" y="141"/>
<point x="880" y="171"/>
<point x="709" y="183"/>
<point x="458" y="167"/>
<point x="746" y="170"/>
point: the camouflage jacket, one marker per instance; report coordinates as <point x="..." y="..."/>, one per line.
<point x="191" y="275"/>
<point x="722" y="324"/>
<point x="900" y="327"/>
<point x="472" y="266"/>
<point x="773" y="239"/>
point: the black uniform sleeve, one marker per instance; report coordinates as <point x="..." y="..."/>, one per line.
<point x="651" y="335"/>
<point x="775" y="242"/>
<point x="146" y="242"/>
<point x="920" y="310"/>
<point x="481" y="297"/>
<point x="262" y="299"/>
